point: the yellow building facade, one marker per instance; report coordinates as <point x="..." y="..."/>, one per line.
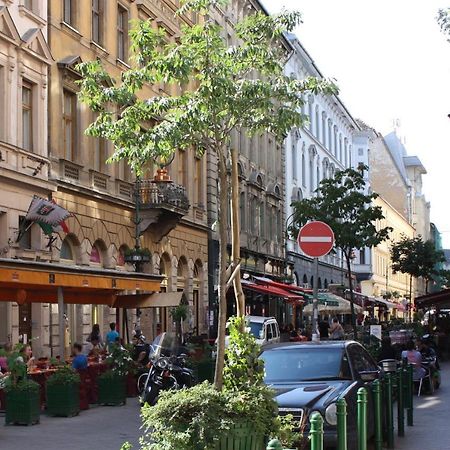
<point x="382" y="280"/>
<point x="101" y="196"/>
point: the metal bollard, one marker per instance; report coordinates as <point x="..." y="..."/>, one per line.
<point x="274" y="444"/>
<point x="410" y="393"/>
<point x="362" y="418"/>
<point x="376" y="388"/>
<point x="400" y="404"/>
<point x="341" y="414"/>
<point x="316" y="432"/>
<point x="389" y="412"/>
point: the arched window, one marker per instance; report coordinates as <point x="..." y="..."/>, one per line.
<point x="254" y="215"/>
<point x="325" y="284"/>
<point x="242" y="211"/>
<point x="319" y="283"/>
<point x="311" y="281"/>
<point x="305" y="279"/>
<point x="121" y="255"/>
<point x="346" y="152"/>
<point x="303" y="170"/>
<point x="98" y="252"/>
<point x="294" y="161"/>
<point x="66" y="250"/>
<point x="330" y="136"/>
<point x="318" y="177"/>
<point x="311" y="173"/>
<point x="335" y="148"/>
<point x="340" y="147"/>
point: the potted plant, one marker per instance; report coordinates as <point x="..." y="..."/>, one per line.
<point x="63" y="392"/>
<point x="22" y="395"/>
<point x="112" y="384"/>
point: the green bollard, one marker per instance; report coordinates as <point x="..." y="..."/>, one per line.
<point x="274" y="444"/>
<point x="376" y="388"/>
<point x="389" y="412"/>
<point x="316" y="432"/>
<point x="341" y="414"/>
<point x="400" y="405"/>
<point x="410" y="391"/>
<point x="362" y="418"/>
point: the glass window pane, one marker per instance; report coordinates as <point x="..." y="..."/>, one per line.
<point x="26" y="129"/>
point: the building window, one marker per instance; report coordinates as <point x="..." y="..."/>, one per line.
<point x="262" y="228"/>
<point x="317" y="177"/>
<point x="99" y="154"/>
<point x="310" y="114"/>
<point x="254" y="216"/>
<point x="182" y="167"/>
<point x="294" y="162"/>
<point x="122" y="33"/>
<point x="69" y="124"/>
<point x="97" y="21"/>
<point x="27" y="115"/>
<point x="330" y="141"/>
<point x="242" y="211"/>
<point x="28" y="4"/>
<point x="24" y="233"/>
<point x="311" y="174"/>
<point x="324" y="129"/>
<point x="340" y="148"/>
<point x="317" y="123"/>
<point x="303" y="170"/>
<point x="66" y="250"/>
<point x="362" y="256"/>
<point x="199" y="181"/>
<point x="69" y="12"/>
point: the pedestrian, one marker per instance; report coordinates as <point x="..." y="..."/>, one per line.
<point x="80" y="360"/>
<point x="112" y="336"/>
<point x="324" y="328"/>
<point x="336" y="330"/>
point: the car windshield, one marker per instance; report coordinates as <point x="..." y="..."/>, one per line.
<point x="255" y="328"/>
<point x="302" y="364"/>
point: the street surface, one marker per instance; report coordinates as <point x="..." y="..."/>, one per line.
<point x="107" y="428"/>
<point x="431" y="430"/>
<point x="99" y="428"/>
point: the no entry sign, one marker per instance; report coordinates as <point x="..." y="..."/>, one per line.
<point x="316" y="239"/>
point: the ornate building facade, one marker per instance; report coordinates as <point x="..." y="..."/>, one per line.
<point x="313" y="153"/>
<point x="24" y="164"/>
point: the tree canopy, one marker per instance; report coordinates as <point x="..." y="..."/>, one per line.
<point x="416" y="257"/>
<point x="443" y="19"/>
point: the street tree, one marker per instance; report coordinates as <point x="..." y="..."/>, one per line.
<point x="417" y="258"/>
<point x="235" y="87"/>
<point x="341" y="202"/>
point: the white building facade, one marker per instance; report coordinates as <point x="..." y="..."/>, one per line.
<point x="313" y="153"/>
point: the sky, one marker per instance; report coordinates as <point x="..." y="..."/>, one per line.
<point x="391" y="62"/>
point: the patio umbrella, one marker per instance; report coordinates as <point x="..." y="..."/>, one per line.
<point x="332" y="304"/>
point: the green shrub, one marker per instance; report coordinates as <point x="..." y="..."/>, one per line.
<point x="64" y="375"/>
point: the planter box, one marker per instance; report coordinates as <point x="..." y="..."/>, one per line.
<point x="131" y="385"/>
<point x="63" y="400"/>
<point x="112" y="391"/>
<point x="241" y="437"/>
<point x="22" y="407"/>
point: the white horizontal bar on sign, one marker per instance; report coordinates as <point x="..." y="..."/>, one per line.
<point x="315" y="239"/>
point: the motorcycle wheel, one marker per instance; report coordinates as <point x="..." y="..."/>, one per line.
<point x="141" y="382"/>
<point x="150" y="396"/>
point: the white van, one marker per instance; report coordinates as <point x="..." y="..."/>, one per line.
<point x="265" y="330"/>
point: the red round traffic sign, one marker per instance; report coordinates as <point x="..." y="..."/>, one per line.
<point x="316" y="239"/>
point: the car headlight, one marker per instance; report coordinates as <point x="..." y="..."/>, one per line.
<point x="330" y="414"/>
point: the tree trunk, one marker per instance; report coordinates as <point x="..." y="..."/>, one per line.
<point x="410" y="298"/>
<point x="235" y="233"/>
<point x="223" y="239"/>
<point x="352" y="298"/>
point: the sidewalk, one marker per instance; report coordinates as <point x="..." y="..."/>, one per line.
<point x="431" y="430"/>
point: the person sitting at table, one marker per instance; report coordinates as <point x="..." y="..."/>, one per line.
<point x="94" y="335"/>
<point x="111" y="336"/>
<point x="93" y="347"/>
<point x="80" y="360"/>
<point x="414" y="358"/>
<point x="26" y="356"/>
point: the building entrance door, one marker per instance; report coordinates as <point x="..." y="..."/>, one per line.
<point x="25" y="323"/>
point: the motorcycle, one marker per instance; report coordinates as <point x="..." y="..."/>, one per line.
<point x="166" y="372"/>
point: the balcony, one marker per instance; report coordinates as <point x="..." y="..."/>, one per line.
<point x="163" y="204"/>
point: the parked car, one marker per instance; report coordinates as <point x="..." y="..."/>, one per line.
<point x="311" y="376"/>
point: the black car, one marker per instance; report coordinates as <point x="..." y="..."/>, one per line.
<point x="312" y="376"/>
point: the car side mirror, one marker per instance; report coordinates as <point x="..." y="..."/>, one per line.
<point x="369" y="375"/>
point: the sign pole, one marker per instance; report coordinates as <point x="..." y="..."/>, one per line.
<point x="315" y="322"/>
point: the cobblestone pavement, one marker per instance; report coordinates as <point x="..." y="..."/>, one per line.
<point x="431" y="430"/>
<point x="99" y="428"/>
